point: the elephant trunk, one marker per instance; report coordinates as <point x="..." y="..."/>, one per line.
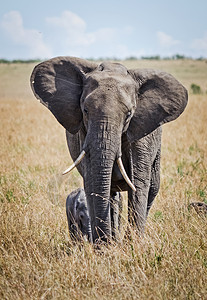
<point x="102" y="148"/>
<point x="86" y="231"/>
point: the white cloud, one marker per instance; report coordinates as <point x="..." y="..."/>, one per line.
<point x="166" y="40"/>
<point x="71" y="37"/>
<point x="12" y="24"/>
<point x="105" y="35"/>
<point x="73" y="28"/>
<point x="65" y="34"/>
<point x="128" y="30"/>
<point x="200" y="44"/>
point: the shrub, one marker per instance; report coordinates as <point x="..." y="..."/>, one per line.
<point x="195" y="88"/>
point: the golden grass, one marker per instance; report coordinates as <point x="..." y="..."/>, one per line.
<point x="37" y="258"/>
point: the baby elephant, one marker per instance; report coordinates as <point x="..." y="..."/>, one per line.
<point x="77" y="215"/>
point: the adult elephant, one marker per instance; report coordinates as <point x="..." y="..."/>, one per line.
<point x="112" y="116"/>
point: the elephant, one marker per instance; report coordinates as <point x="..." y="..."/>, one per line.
<point x="113" y="118"/>
<point x="77" y="215"/>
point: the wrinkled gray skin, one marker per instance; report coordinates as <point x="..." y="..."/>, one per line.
<point x="77" y="215"/>
<point x="111" y="112"/>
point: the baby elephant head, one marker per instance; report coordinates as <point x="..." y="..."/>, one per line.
<point x="77" y="215"/>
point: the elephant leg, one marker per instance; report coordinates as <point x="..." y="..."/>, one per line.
<point x="155" y="181"/>
<point x="116" y="206"/>
<point x="120" y="211"/>
<point x="137" y="207"/>
<point x="140" y="164"/>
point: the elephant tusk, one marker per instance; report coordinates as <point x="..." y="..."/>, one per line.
<point x="76" y="162"/>
<point x="124" y="174"/>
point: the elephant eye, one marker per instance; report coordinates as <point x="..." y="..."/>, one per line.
<point x="85" y="111"/>
<point x="81" y="215"/>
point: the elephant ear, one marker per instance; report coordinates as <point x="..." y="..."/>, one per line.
<point x="58" y="83"/>
<point x="160" y="99"/>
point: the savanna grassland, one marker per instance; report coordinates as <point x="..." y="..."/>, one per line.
<point x="37" y="258"/>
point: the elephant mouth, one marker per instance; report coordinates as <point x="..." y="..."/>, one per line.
<point x="119" y="163"/>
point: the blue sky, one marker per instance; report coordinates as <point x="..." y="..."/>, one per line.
<point x="109" y="28"/>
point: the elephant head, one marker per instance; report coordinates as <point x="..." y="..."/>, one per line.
<point x="77" y="215"/>
<point x="107" y="102"/>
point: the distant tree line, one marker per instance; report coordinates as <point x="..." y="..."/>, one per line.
<point x="18" y="61"/>
<point x="158" y="57"/>
<point x="155" y="57"/>
<point x="151" y="57"/>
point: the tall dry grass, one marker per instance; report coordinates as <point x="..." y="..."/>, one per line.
<point x="37" y="258"/>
